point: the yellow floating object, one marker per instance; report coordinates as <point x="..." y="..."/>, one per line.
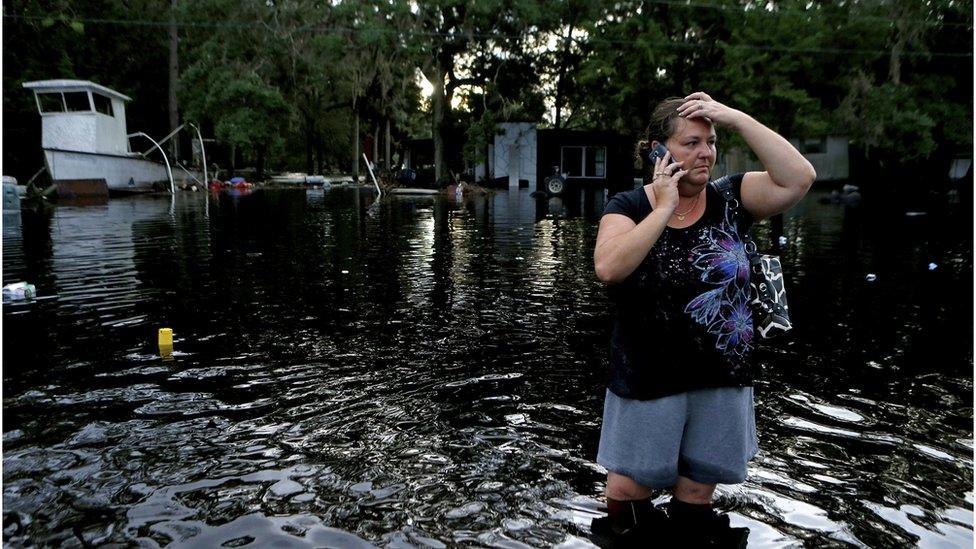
<point x="165" y="341"/>
<point x="166" y="351"/>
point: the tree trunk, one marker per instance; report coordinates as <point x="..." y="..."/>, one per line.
<point x="894" y="67"/>
<point x="355" y="144"/>
<point x="386" y="145"/>
<point x="174" y="76"/>
<point x="562" y="75"/>
<point x="376" y="144"/>
<point x="438" y="100"/>
<point x="261" y="153"/>
<point x="319" y="154"/>
<point x="309" y="137"/>
<point x="233" y="160"/>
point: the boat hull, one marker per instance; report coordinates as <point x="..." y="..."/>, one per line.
<point x="122" y="174"/>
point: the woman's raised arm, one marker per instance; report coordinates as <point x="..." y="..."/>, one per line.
<point x="788" y="175"/>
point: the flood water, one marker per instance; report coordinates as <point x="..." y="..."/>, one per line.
<point x="419" y="372"/>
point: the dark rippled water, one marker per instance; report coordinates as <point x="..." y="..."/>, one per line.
<point x="423" y="373"/>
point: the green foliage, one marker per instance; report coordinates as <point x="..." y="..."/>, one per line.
<point x="47" y="39"/>
<point x="287" y="79"/>
<point x="887" y="119"/>
<point x="246" y="110"/>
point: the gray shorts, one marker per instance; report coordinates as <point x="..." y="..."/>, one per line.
<point x="706" y="435"/>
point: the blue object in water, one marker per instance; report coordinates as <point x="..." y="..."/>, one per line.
<point x="236" y="180"/>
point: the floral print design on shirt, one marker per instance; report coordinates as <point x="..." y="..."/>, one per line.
<point x="724" y="310"/>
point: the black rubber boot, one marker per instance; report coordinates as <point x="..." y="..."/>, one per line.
<point x="635" y="523"/>
<point x="700" y="526"/>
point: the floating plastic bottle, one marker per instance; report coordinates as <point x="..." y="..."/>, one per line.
<point x="19" y="291"/>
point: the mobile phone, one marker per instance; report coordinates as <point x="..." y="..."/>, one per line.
<point x="659" y="151"/>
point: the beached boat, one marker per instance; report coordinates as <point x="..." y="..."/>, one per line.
<point x="85" y="141"/>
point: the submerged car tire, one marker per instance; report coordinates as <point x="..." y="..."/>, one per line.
<point x="555" y="185"/>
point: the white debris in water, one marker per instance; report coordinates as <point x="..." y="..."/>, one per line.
<point x="871" y="277"/>
<point x="286" y="487"/>
<point x="782" y="241"/>
<point x="932" y="266"/>
<point x="466" y="510"/>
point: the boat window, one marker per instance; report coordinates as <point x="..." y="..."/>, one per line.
<point x="50" y="102"/>
<point x="102" y="104"/>
<point x="77" y="101"/>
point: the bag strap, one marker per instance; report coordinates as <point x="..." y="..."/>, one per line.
<point x="723" y="186"/>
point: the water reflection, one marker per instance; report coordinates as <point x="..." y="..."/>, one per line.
<point x="428" y="372"/>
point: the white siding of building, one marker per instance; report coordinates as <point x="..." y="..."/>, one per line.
<point x="515" y="153"/>
<point x="832" y="164"/>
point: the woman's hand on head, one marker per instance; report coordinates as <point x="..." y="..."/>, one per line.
<point x="664" y="182"/>
<point x="701" y="105"/>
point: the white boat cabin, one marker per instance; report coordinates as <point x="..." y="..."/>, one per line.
<point x="79" y="115"/>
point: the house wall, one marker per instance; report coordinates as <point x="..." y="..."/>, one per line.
<point x="521" y="151"/>
<point x="514" y="154"/>
<point x="619" y="171"/>
<point x="832" y="165"/>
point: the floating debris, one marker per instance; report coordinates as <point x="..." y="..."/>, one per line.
<point x="871" y="277"/>
<point x="19" y="290"/>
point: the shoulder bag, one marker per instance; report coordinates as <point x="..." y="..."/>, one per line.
<point x="770" y="313"/>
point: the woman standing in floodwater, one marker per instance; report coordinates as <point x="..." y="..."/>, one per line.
<point x="679" y="407"/>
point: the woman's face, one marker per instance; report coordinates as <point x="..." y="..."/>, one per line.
<point x="693" y="144"/>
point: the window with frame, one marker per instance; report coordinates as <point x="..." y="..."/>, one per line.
<point x="77" y="102"/>
<point x="583" y="161"/>
<point x="813" y="146"/>
<point x="50" y="102"/>
<point x="102" y="104"/>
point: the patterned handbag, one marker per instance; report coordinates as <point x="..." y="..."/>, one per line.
<point x="770" y="313"/>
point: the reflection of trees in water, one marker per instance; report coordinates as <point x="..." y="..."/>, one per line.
<point x="37" y="246"/>
<point x="172" y="256"/>
<point x="908" y="319"/>
<point x="28" y="337"/>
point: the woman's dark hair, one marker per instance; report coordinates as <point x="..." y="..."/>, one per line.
<point x="663" y="125"/>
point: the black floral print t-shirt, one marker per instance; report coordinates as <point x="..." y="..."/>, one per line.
<point x="683" y="320"/>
